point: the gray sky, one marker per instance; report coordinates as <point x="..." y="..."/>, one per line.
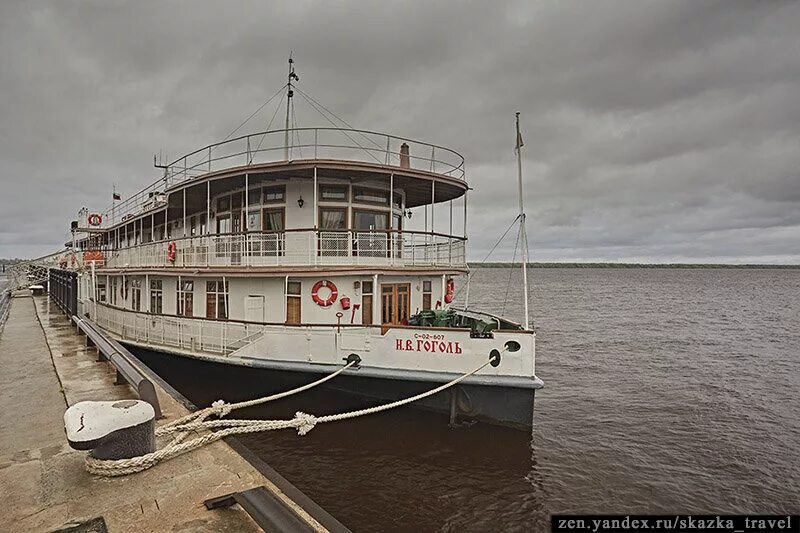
<point x="654" y="131"/>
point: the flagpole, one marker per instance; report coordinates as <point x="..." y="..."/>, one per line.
<point x="523" y="235"/>
<point x="113" y="203"/>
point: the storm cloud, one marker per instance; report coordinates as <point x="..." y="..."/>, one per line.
<point x="654" y="131"/>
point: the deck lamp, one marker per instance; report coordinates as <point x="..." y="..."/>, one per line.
<point x="300" y="202"/>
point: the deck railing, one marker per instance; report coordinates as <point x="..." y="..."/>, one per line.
<point x="296" y="248"/>
<point x="202" y="335"/>
<point x="305" y="144"/>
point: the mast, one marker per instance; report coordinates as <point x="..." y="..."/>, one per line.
<point x="289" y="95"/>
<point x="522" y="233"/>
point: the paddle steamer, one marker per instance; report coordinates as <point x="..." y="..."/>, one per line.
<point x="288" y="250"/>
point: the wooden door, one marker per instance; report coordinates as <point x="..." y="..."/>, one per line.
<point x="395" y="303"/>
<point x="293" y="302"/>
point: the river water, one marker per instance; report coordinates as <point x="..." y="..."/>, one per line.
<point x="666" y="391"/>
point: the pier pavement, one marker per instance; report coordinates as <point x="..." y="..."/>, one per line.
<point x="45" y="368"/>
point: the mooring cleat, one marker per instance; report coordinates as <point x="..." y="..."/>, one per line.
<point x="111" y="430"/>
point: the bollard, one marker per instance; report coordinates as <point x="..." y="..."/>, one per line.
<point x="112" y="430"/>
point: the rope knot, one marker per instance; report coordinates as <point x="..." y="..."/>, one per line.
<point x="221" y="408"/>
<point x="306" y="422"/>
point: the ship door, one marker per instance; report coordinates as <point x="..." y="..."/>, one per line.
<point x="254" y="308"/>
<point x="395" y="303"/>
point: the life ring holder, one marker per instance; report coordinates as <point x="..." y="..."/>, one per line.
<point x="449" y="294"/>
<point x="172" y="250"/>
<point x="330" y="299"/>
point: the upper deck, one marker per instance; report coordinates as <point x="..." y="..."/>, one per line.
<point x="326" y="146"/>
<point x="247" y="194"/>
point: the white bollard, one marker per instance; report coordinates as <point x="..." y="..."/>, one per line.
<point x="111" y="430"/>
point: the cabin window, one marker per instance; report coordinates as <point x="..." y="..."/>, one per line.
<point x="254" y="196"/>
<point x="370" y="220"/>
<point x="224" y="224"/>
<point x="113" y="291"/>
<point x="366" y="302"/>
<point x="293" y="302"/>
<point x="332" y="219"/>
<point x="136" y="294"/>
<point x="370" y="196"/>
<point x="224" y="204"/>
<point x="397" y="200"/>
<point x="185" y="298"/>
<point x="156" y="296"/>
<point x="217" y="299"/>
<point x="203" y="224"/>
<point x="426" y="295"/>
<point x="236" y="200"/>
<point x="274" y="195"/>
<point x="253" y="221"/>
<point x="100" y="291"/>
<point x="333" y="193"/>
<point x="192" y="226"/>
<point x="273" y="219"/>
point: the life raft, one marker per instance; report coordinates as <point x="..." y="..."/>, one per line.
<point x="330" y="299"/>
<point x="95" y="219"/>
<point x="172" y="250"/>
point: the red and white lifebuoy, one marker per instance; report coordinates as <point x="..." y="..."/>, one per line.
<point x="334" y="293"/>
<point x="449" y="294"/>
<point x="95" y="219"/>
<point x="172" y="250"/>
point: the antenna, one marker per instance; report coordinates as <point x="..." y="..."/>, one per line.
<point x="289" y="104"/>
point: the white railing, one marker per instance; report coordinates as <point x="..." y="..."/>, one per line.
<point x="305" y="144"/>
<point x="297" y="248"/>
<point x="193" y="334"/>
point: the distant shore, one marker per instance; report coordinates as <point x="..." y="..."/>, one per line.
<point x="629" y="265"/>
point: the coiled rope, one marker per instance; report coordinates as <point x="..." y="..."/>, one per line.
<point x="303" y="422"/>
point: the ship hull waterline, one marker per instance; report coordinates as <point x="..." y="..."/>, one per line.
<point x="509" y="404"/>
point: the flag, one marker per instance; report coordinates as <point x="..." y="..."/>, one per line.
<point x="117" y="196"/>
<point x="520" y="144"/>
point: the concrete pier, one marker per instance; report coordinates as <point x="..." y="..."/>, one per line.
<point x="45" y="367"/>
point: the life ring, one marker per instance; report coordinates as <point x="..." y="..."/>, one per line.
<point x="172" y="250"/>
<point x="330" y="299"/>
<point x="449" y="294"/>
<point x="95" y="219"/>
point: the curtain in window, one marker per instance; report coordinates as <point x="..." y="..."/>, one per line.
<point x="330" y="219"/>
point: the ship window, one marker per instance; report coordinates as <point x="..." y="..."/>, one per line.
<point x="254" y="196"/>
<point x="100" y="291"/>
<point x="156" y="296"/>
<point x="366" y="302"/>
<point x="370" y="196"/>
<point x="332" y="219"/>
<point x="273" y="219"/>
<point x="185" y="298"/>
<point x="397" y="200"/>
<point x="224" y="204"/>
<point x="293" y="302"/>
<point x="216" y="299"/>
<point x="333" y="193"/>
<point x="236" y="200"/>
<point x="253" y="221"/>
<point x="370" y="220"/>
<point x="112" y="293"/>
<point x="136" y="294"/>
<point x="274" y="195"/>
<point x="426" y="295"/>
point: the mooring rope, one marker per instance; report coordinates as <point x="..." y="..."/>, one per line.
<point x="303" y="422"/>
